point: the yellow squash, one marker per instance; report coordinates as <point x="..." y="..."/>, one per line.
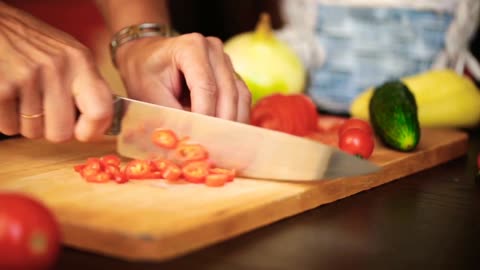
<point x="444" y="99"/>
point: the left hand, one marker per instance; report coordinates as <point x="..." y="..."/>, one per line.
<point x="154" y="70"/>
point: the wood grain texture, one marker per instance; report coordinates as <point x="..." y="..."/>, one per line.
<point x="152" y="220"/>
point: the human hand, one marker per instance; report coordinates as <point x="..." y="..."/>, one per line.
<point x="44" y="75"/>
<point x="155" y="70"/>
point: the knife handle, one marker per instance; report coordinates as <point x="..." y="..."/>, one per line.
<point x="118" y="111"/>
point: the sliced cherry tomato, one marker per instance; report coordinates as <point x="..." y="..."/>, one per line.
<point x="216" y="180"/>
<point x="138" y="169"/>
<point x="94" y="163"/>
<point x="120" y="178"/>
<point x="172" y="172"/>
<point x="116" y="174"/>
<point x="355" y="123"/>
<point x="155" y="175"/>
<point x="195" y="172"/>
<point x="101" y="177"/>
<point x="357" y="142"/>
<point x="160" y="164"/>
<point x="164" y="138"/>
<point x="110" y="160"/>
<point x="79" y="168"/>
<point x="92" y="168"/>
<point x="228" y="172"/>
<point x="190" y="152"/>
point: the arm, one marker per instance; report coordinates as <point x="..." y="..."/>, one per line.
<point x="122" y="13"/>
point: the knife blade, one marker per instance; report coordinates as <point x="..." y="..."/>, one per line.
<point x="252" y="151"/>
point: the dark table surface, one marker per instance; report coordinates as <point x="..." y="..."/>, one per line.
<point x="430" y="220"/>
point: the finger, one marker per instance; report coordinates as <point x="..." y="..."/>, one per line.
<point x="93" y="98"/>
<point x="9" y="124"/>
<point x="193" y="61"/>
<point x="31" y="108"/>
<point x="227" y="99"/>
<point x="244" y="101"/>
<point x="58" y="106"/>
<point x="244" y="96"/>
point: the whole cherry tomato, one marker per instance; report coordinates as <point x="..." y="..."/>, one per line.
<point x="29" y="234"/>
<point x="355" y="123"/>
<point x="357" y="142"/>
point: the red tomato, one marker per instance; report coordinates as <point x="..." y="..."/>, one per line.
<point x="216" y="180"/>
<point x="164" y="138"/>
<point x="294" y="114"/>
<point x="357" y="142"/>
<point x="356" y="123"/>
<point x="195" y="172"/>
<point x="138" y="169"/>
<point x="190" y="152"/>
<point x="30" y="237"/>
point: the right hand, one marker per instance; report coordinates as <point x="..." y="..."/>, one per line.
<point x="46" y="74"/>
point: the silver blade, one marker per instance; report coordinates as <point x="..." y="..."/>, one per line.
<point x="252" y="151"/>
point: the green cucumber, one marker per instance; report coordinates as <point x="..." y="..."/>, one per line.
<point x="393" y="114"/>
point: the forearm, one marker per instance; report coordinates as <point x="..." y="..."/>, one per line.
<point x="122" y="13"/>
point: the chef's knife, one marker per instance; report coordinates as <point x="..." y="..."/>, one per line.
<point x="253" y="152"/>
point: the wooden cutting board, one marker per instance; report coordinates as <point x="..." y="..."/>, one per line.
<point x="152" y="220"/>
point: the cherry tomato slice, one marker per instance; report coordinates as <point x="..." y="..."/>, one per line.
<point x="138" y="169"/>
<point x="155" y="175"/>
<point x="164" y="138"/>
<point x="172" y="172"/>
<point x="355" y="123"/>
<point x="357" y="142"/>
<point x="190" y="152"/>
<point x="116" y="174"/>
<point x="79" y="168"/>
<point x="160" y="164"/>
<point x="195" y="172"/>
<point x="110" y="160"/>
<point x="101" y="177"/>
<point x="120" y="178"/>
<point x="230" y="174"/>
<point x="91" y="169"/>
<point x="94" y="163"/>
<point x="216" y="180"/>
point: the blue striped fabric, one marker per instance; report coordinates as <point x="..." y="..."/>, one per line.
<point x="366" y="46"/>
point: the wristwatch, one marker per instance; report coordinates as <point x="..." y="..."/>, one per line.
<point x="137" y="31"/>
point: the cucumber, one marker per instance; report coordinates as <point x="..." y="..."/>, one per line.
<point x="393" y="114"/>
